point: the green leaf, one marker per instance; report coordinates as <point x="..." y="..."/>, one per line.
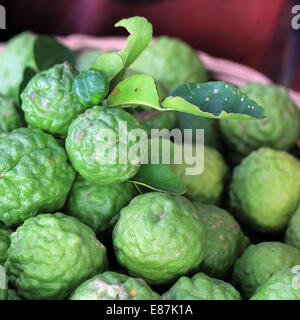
<point x="110" y="63"/>
<point x="113" y="63"/>
<point x="48" y="52"/>
<point x="157" y="174"/>
<point x="215" y="99"/>
<point x="140" y="36"/>
<point x="139" y="89"/>
<point x="160" y="178"/>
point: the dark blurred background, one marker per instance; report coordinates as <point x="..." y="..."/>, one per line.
<point x="257" y="33"/>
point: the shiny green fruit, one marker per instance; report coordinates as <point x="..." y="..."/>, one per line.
<point x="95" y="144"/>
<point x="259" y="262"/>
<point x="265" y="189"/>
<point x="48" y="101"/>
<point x="225" y="240"/>
<point x="114" y="286"/>
<point x="283" y="285"/>
<point x="99" y="206"/>
<point x="90" y="87"/>
<point x="206" y="187"/>
<point x="34" y="175"/>
<point x="51" y="254"/>
<point x="159" y="237"/>
<point x="201" y="287"/>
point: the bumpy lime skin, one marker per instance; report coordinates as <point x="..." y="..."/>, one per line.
<point x="51" y="254"/>
<point x="209" y="185"/>
<point x="48" y="101"/>
<point x="163" y="120"/>
<point x="225" y="240"/>
<point x="17" y="55"/>
<point x="159" y="237"/>
<point x="279" y="130"/>
<point x="4" y="242"/>
<point x="99" y="206"/>
<point x="292" y="233"/>
<point x="87" y="148"/>
<point x="114" y="286"/>
<point x="259" y="262"/>
<point x="171" y="62"/>
<point x="283" y="285"/>
<point x="34" y="175"/>
<point x="10" y="117"/>
<point x="265" y="189"/>
<point x="201" y="287"/>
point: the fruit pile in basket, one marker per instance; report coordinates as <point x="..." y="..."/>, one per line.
<point x="86" y="213"/>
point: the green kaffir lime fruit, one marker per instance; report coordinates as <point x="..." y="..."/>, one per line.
<point x="283" y="285"/>
<point x="10" y="117"/>
<point x="159" y="237"/>
<point x="90" y="87"/>
<point x="163" y="120"/>
<point x="114" y="286"/>
<point x="279" y="130"/>
<point x="95" y="145"/>
<point x="171" y="62"/>
<point x="225" y="240"/>
<point x="4" y="242"/>
<point x="212" y="136"/>
<point x="259" y="262"/>
<point x="48" y="101"/>
<point x="201" y="287"/>
<point x="265" y="189"/>
<point x="292" y="233"/>
<point x="16" y="56"/>
<point x="208" y="186"/>
<point x="99" y="206"/>
<point x="51" y="254"/>
<point x="34" y="175"/>
<point x="87" y="59"/>
<point x="13" y="295"/>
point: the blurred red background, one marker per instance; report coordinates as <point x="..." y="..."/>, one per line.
<point x="253" y="32"/>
